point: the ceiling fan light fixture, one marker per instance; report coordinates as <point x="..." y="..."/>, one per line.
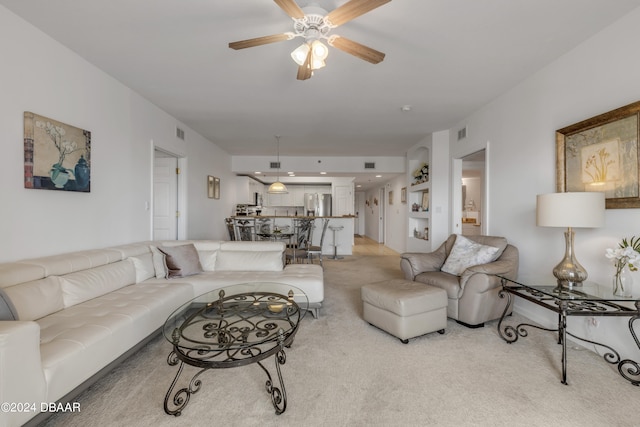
<point x="320" y="51"/>
<point x="299" y="55"/>
<point x="316" y="64"/>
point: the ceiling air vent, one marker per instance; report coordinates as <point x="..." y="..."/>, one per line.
<point x="462" y="133"/>
<point x="274" y="165"/>
<point x="179" y="133"/>
<point x="369" y="165"/>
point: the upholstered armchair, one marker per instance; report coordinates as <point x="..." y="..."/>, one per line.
<point x="471" y="283"/>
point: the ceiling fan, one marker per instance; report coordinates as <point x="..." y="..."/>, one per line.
<point x="313" y="24"/>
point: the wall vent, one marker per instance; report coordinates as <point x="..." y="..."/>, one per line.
<point x="179" y="133"/>
<point x="369" y="165"/>
<point x="274" y="165"/>
<point x="462" y="133"/>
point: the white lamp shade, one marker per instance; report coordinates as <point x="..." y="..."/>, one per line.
<point x="584" y="209"/>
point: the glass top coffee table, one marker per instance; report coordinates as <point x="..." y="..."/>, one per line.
<point x="233" y="326"/>
<point x="589" y="299"/>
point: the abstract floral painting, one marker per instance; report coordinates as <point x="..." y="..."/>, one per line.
<point x="57" y="156"/>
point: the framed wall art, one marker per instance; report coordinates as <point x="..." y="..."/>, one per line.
<point x="403" y="195"/>
<point x="57" y="156"/>
<point x="391" y="197"/>
<point x="425" y="200"/>
<point x="601" y="154"/>
<point x="213" y="187"/>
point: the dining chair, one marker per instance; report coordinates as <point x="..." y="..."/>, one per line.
<point x="297" y="250"/>
<point x="317" y="250"/>
<point x="228" y="222"/>
<point x="244" y="229"/>
<point x="263" y="226"/>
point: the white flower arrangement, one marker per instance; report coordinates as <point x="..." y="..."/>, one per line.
<point x="626" y="254"/>
<point x="422" y="173"/>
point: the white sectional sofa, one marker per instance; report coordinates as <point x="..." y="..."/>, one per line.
<point x="65" y="320"/>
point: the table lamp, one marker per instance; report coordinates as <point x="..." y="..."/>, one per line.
<point x="570" y="210"/>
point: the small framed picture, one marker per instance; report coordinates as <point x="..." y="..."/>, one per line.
<point x="425" y="200"/>
<point x="403" y="195"/>
<point x="213" y="187"/>
<point x="390" y="197"/>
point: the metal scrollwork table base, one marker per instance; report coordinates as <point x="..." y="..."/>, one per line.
<point x="587" y="300"/>
<point x="231" y="327"/>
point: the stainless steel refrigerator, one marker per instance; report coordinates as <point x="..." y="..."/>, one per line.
<point x="317" y="204"/>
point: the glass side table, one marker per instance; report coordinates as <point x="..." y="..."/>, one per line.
<point x="587" y="300"/>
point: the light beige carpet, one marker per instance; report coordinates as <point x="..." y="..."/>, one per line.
<point x="341" y="371"/>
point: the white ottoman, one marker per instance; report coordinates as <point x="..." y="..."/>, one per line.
<point x="405" y="309"/>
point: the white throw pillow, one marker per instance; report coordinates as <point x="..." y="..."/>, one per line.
<point x="159" y="263"/>
<point x="466" y="253"/>
<point x="144" y="267"/>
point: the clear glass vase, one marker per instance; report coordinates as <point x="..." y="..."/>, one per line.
<point x="622" y="282"/>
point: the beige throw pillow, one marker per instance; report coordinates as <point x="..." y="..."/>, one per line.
<point x="181" y="260"/>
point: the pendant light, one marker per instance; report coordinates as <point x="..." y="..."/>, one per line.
<point x="277" y="187"/>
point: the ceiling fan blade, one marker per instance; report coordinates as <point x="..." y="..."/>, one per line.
<point x="356" y="49"/>
<point x="291" y="8"/>
<point x="351" y="10"/>
<point x="304" y="71"/>
<point x="259" y="41"/>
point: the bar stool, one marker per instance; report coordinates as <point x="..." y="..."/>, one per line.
<point x="335" y="228"/>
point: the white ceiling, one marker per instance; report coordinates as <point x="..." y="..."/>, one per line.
<point x="444" y="58"/>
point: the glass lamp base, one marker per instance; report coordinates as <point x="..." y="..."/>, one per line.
<point x="569" y="272"/>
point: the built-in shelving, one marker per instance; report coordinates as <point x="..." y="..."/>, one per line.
<point x="418" y="201"/>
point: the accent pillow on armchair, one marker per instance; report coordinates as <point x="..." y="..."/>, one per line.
<point x="466" y="253"/>
<point x="468" y="269"/>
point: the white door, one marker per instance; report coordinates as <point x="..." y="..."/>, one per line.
<point x="343" y="204"/>
<point x="165" y="197"/>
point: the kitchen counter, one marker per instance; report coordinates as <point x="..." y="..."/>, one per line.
<point x="344" y="238"/>
<point x="290" y="216"/>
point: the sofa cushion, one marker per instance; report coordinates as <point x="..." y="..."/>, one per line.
<point x="88" y="284"/>
<point x="143" y="265"/>
<point x="181" y="260"/>
<point x="466" y="253"/>
<point x="249" y="260"/>
<point x="207" y="259"/>
<point x="7" y="310"/>
<point x="36" y="299"/>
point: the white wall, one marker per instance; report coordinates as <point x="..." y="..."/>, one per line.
<point x="599" y="75"/>
<point x="42" y="76"/>
<point x="396" y="216"/>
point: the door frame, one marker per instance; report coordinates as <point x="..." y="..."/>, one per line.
<point x="382" y="224"/>
<point x="181" y="188"/>
<point x="456" y="191"/>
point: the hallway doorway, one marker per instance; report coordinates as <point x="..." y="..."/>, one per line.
<point x="165" y="196"/>
<point x="469" y="210"/>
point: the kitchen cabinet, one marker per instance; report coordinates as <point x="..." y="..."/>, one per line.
<point x="246" y="189"/>
<point x="295" y="196"/>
